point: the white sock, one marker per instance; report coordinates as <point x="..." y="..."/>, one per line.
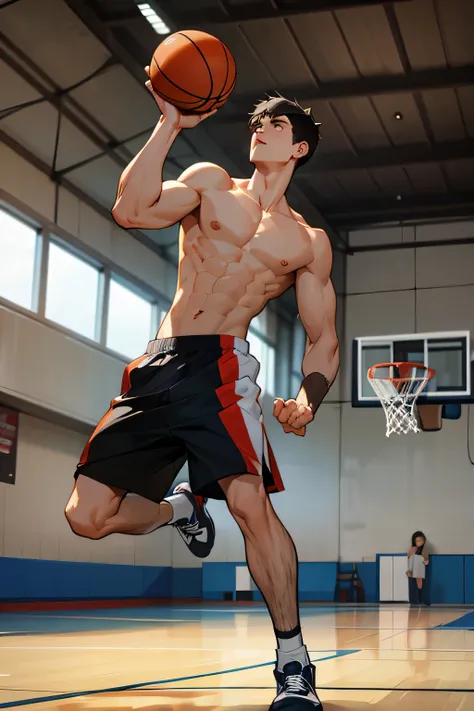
<point x="295" y="655"/>
<point x="291" y="649"/>
<point x="290" y="643"/>
<point x="182" y="507"/>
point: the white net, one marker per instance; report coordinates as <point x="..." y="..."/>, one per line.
<point x="398" y="386"/>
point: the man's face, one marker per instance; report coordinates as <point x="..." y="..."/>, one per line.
<point x="272" y="141"/>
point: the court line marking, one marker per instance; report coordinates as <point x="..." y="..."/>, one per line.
<point x="448" y="650"/>
<point x="171" y="649"/>
<point x="319" y="688"/>
<point x="148" y="684"/>
<point x="115" y="619"/>
<point x="202" y="612"/>
<point x="306" y="610"/>
<point x="439" y="628"/>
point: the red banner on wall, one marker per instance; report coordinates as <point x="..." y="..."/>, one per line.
<point x="8" y="444"/>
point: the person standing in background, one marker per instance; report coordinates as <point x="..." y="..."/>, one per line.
<point x="418" y="559"/>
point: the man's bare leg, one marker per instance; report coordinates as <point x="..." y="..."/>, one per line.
<point x="95" y="510"/>
<point x="271" y="558"/>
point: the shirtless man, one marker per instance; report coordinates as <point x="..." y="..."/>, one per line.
<point x="193" y="395"/>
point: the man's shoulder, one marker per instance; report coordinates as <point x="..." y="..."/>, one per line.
<point x="206" y="176"/>
<point x="320" y="261"/>
<point x="317" y="236"/>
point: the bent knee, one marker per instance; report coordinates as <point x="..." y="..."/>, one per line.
<point x="82" y="523"/>
<point x="249" y="501"/>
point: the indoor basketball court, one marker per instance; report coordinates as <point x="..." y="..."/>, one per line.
<point x="381" y="486"/>
<point x="367" y="657"/>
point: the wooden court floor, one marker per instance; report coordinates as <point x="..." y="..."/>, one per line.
<point x="203" y="657"/>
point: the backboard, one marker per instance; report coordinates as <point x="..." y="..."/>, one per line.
<point x="447" y="352"/>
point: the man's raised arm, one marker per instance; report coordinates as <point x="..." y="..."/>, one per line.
<point x="143" y="199"/>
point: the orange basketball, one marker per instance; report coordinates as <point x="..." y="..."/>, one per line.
<point x="194" y="71"/>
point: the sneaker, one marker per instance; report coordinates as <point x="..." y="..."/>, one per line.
<point x="198" y="532"/>
<point x="296" y="689"/>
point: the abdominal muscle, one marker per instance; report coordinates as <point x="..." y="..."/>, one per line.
<point x="221" y="287"/>
<point x="196" y="312"/>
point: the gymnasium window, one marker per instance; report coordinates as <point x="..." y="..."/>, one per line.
<point x="72" y="292"/>
<point x="265" y="354"/>
<point x="130" y="323"/>
<point x="296" y="379"/>
<point x="298" y="350"/>
<point x="18" y="249"/>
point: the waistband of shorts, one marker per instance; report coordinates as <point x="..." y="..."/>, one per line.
<point x="184" y="344"/>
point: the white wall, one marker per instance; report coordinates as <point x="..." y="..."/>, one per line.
<point x="390" y="488"/>
<point x="393" y="487"/>
<point x="43" y="366"/>
<point x="32" y="522"/>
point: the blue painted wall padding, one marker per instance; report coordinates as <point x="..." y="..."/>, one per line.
<point x="450" y="580"/>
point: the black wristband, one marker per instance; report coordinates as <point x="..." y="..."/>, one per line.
<point x="316" y="387"/>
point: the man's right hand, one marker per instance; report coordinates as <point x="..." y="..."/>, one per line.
<point x="171" y="114"/>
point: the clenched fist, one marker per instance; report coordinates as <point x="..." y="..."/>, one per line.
<point x="293" y="416"/>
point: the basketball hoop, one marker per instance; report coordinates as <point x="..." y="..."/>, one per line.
<point x="398" y="385"/>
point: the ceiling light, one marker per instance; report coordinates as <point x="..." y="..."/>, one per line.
<point x="398" y="116"/>
<point x="155" y="21"/>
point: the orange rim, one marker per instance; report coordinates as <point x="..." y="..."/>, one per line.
<point x="402" y="366"/>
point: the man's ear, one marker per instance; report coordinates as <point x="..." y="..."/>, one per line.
<point x="300" y="150"/>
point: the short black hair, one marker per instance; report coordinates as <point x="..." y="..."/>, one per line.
<point x="304" y="126"/>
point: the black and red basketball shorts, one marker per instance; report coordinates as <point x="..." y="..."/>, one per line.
<point x="190" y="398"/>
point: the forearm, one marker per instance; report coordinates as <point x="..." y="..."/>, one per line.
<point x="141" y="182"/>
<point x="320" y="367"/>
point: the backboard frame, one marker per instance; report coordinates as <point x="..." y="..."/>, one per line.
<point x="441" y="396"/>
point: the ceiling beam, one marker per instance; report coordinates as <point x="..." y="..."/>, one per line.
<point x="372" y="212"/>
<point x="389" y="157"/>
<point x="229" y="13"/>
<point x="69" y="107"/>
<point x="43" y="81"/>
<point x="420" y="244"/>
<point x="241" y="104"/>
<point x="59" y="102"/>
<point x="120" y="17"/>
<point x="83" y="9"/>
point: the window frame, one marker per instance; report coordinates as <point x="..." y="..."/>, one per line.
<point x="269" y="344"/>
<point x="35" y="286"/>
<point x="47" y="233"/>
<point x="138" y="291"/>
<point x="61" y="243"/>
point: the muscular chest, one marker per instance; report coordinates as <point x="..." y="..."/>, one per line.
<point x="232" y="227"/>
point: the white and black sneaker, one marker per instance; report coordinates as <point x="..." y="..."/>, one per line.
<point x="198" y="531"/>
<point x="296" y="689"/>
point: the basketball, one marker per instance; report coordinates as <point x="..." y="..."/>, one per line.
<point x="193" y="71"/>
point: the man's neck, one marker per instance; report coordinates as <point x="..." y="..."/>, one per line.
<point x="269" y="183"/>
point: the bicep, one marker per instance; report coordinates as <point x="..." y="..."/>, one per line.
<point x="177" y="199"/>
<point x="175" y="202"/>
<point x="180" y="197"/>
